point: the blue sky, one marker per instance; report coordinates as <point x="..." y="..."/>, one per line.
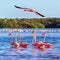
<point x="49" y="8"/>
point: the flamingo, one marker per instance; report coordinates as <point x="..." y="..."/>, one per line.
<point x="23" y="44"/>
<point x="38" y="44"/>
<point x="47" y="45"/>
<point x="30" y="10"/>
<point x="13" y="43"/>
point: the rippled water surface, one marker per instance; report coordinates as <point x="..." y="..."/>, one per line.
<point x="30" y="53"/>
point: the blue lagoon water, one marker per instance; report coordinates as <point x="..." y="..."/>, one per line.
<point x="30" y="53"/>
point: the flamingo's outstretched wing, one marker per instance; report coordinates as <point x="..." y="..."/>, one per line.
<point x="39" y="14"/>
<point x="27" y="9"/>
<point x="20" y="7"/>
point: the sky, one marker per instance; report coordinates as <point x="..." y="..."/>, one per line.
<point x="49" y="8"/>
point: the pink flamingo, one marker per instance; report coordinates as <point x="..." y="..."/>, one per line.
<point x="30" y="10"/>
<point x="23" y="44"/>
<point x="13" y="43"/>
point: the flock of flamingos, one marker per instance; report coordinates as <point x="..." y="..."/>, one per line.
<point x="38" y="44"/>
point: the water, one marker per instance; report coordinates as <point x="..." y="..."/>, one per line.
<point x="30" y="53"/>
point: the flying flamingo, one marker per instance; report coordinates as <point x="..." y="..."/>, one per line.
<point x="30" y="10"/>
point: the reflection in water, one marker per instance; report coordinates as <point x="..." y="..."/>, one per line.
<point x="34" y="53"/>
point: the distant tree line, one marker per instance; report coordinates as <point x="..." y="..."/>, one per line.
<point x="29" y="22"/>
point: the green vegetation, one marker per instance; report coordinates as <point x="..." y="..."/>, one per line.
<point x="30" y="23"/>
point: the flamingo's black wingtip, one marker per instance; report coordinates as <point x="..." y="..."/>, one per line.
<point x="43" y="16"/>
